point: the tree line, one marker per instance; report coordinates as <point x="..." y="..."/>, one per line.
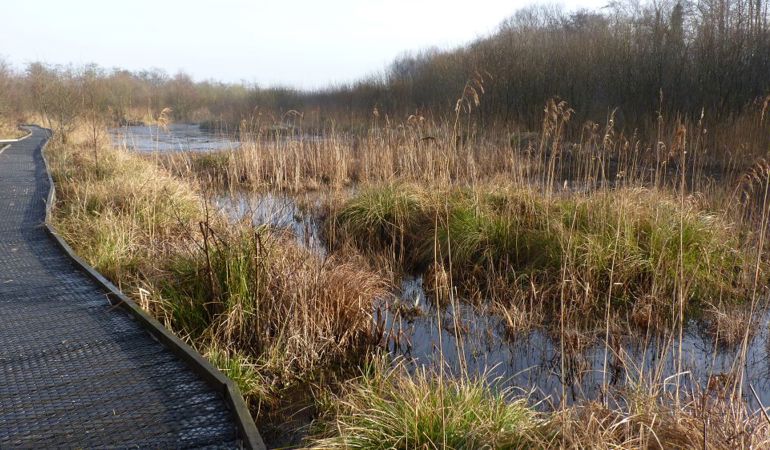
<point x="673" y="57"/>
<point x="632" y="60"/>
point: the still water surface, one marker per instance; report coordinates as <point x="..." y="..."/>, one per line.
<point x="174" y="138"/>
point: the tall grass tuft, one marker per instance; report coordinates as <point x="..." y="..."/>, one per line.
<point x="389" y="408"/>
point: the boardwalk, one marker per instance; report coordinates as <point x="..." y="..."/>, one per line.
<point x="74" y="370"/>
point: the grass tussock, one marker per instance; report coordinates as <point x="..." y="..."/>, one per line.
<point x="639" y="247"/>
<point x="389" y="408"/>
<point x="251" y="290"/>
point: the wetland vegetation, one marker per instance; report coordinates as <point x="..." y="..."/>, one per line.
<point x="552" y="237"/>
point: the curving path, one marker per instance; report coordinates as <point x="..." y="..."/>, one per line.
<point x="78" y="372"/>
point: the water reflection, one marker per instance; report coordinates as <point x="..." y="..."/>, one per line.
<point x="279" y="212"/>
<point x="480" y="344"/>
<point x="176" y="137"/>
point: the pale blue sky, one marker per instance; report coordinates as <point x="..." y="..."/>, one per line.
<point x="299" y="43"/>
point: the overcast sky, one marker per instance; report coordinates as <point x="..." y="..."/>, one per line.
<point x="300" y="43"/>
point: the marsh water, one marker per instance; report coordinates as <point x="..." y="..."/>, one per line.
<point x="278" y="212"/>
<point x="473" y="338"/>
<point x="532" y="360"/>
<point x="174" y="137"/>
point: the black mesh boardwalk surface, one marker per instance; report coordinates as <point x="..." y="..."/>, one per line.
<point x="75" y="371"/>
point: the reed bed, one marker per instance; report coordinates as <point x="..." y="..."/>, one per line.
<point x="560" y="155"/>
<point x="579" y="232"/>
